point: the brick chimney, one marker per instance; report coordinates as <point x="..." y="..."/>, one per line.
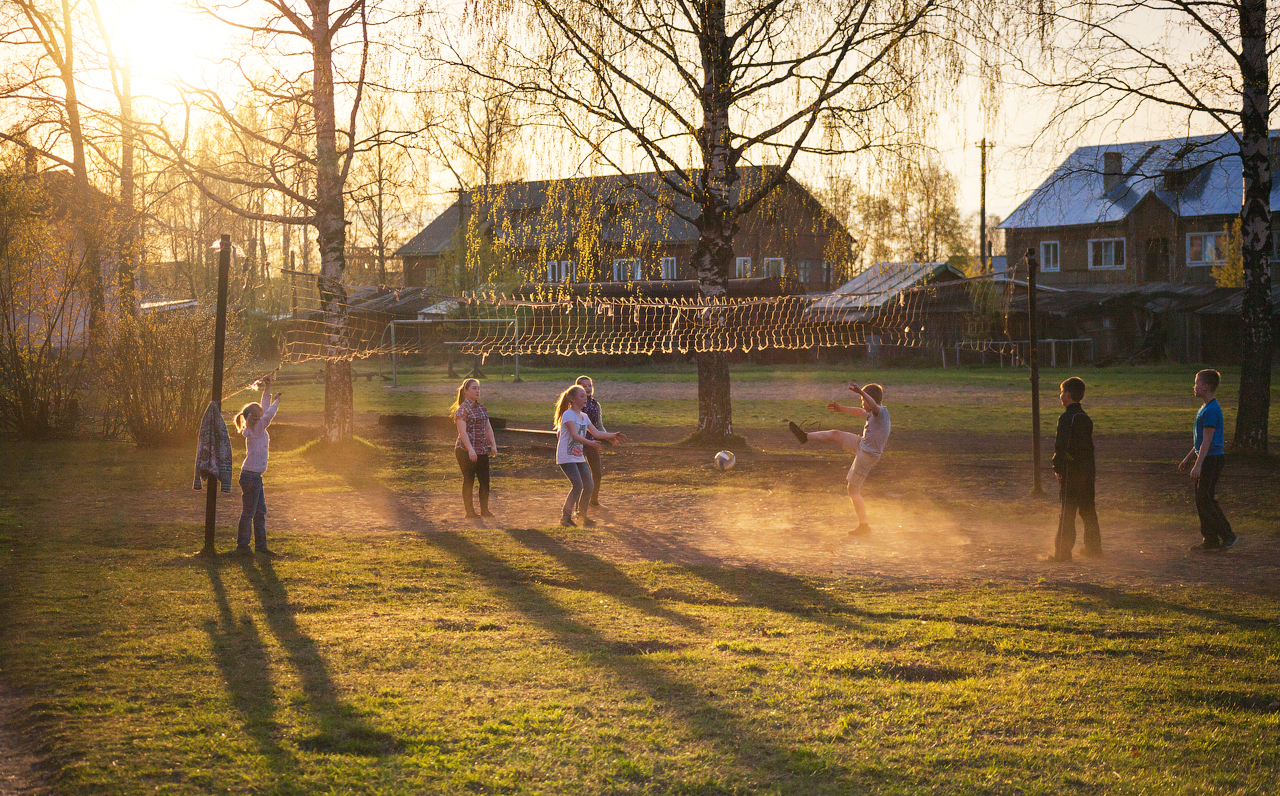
<point x="1112" y="169"/>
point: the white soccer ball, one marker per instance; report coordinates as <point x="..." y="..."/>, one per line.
<point x="725" y="460"/>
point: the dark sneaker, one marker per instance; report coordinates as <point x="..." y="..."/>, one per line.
<point x="1208" y="544"/>
<point x="1059" y="558"/>
<point x="262" y="551"/>
<point x="798" y="432"/>
<point x="568" y="523"/>
<point x="485" y="513"/>
<point x="243" y="550"/>
<point x="860" y="530"/>
<point x="1229" y="542"/>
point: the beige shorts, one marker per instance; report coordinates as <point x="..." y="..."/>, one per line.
<point x="862" y="467"/>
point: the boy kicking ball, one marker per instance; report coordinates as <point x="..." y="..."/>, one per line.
<point x="867" y="448"/>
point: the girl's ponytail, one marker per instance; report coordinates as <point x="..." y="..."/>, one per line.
<point x="242" y="419"/>
<point x="462" y="389"/>
<point x="562" y="404"/>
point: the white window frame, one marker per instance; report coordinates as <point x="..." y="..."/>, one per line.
<point x="1099" y="266"/>
<point x="626" y="269"/>
<point x="780" y="262"/>
<point x="1045" y="267"/>
<point x="805" y="271"/>
<point x="742" y="267"/>
<point x="1203" y="235"/>
<point x="561" y="271"/>
<point x="669" y="268"/>
<point x="828" y="274"/>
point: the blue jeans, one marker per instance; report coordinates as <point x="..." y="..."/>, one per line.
<point x="579" y="474"/>
<point x="254" y="511"/>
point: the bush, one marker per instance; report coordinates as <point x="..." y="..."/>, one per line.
<point x="159" y="379"/>
<point x="43" y="313"/>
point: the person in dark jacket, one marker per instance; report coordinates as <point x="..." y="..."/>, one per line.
<point x="1073" y="464"/>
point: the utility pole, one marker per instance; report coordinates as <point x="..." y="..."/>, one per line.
<point x="984" y="263"/>
<point x="219" y="348"/>
<point x="1033" y="265"/>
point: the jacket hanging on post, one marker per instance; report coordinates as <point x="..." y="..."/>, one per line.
<point x="213" y="452"/>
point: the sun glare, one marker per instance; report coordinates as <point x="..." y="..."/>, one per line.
<point x="166" y="43"/>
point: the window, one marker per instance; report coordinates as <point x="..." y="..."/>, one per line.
<point x="1050" y="259"/>
<point x="826" y="274"/>
<point x="561" y="271"/>
<point x="743" y="269"/>
<point x="805" y="271"/>
<point x="1206" y="248"/>
<point x="668" y="268"/>
<point x="773" y="266"/>
<point x="1106" y="254"/>
<point x="627" y="269"/>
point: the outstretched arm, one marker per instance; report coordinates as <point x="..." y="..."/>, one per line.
<point x="268" y="409"/>
<point x="875" y="405"/>
<point x="609" y="435"/>
<point x="856" y="411"/>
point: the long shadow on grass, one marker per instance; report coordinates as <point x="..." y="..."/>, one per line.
<point x="242" y="660"/>
<point x="748" y="586"/>
<point x="785" y="769"/>
<point x="341" y="728"/>
<point x="1140" y="601"/>
<point x="598" y="575"/>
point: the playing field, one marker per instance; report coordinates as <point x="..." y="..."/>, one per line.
<point x="717" y="633"/>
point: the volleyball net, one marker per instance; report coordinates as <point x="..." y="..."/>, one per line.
<point x="885" y="309"/>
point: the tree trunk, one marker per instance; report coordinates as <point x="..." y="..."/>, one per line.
<point x="84" y="202"/>
<point x="717" y="224"/>
<point x="331" y="229"/>
<point x="1255" y="216"/>
<point x="127" y="268"/>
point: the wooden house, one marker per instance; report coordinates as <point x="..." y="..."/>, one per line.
<point x="611" y="229"/>
<point x="1135" y="213"/>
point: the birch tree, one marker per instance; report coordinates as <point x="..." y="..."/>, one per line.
<point x="699" y="88"/>
<point x="44" y="79"/>
<point x="306" y="58"/>
<point x="1196" y="64"/>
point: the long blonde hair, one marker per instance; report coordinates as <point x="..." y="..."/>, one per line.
<point x="563" y="403"/>
<point x="242" y="420"/>
<point x="453" y="408"/>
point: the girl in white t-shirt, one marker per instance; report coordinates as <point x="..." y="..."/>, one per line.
<point x="572" y="425"/>
<point x="252" y="422"/>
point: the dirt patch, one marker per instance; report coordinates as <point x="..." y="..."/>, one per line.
<point x="942" y="510"/>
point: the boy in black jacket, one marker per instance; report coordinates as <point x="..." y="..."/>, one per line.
<point x="1073" y="464"/>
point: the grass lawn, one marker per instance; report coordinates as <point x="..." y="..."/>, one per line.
<point x="528" y="660"/>
<point x="1121" y="400"/>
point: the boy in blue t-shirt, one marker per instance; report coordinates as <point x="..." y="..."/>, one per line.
<point x="1209" y="455"/>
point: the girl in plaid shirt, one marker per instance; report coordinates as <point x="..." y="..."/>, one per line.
<point x="474" y="446"/>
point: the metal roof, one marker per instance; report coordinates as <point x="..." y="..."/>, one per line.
<point x="1197" y="176"/>
<point x="881" y="283"/>
<point x="1153" y="296"/>
<point x="1233" y="304"/>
